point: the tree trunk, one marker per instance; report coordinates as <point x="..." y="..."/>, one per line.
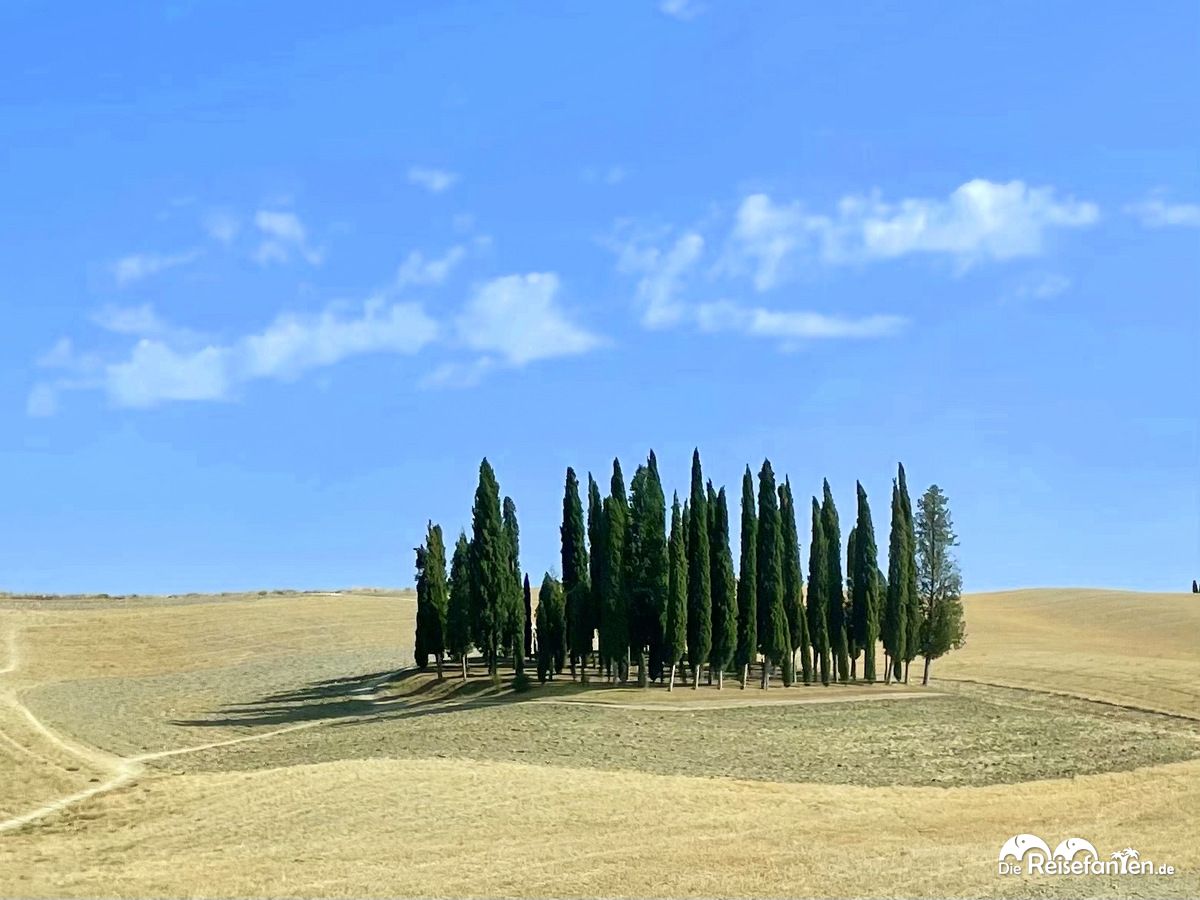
<point x="438" y="656"/>
<point x="695" y="677"/>
<point x="854" y="668"/>
<point x="642" y="669"/>
<point x="464" y="666"/>
<point x="887" y="668"/>
<point x="906" y="662"/>
<point x="766" y="673"/>
<point x="745" y="675"/>
<point x="720" y="679"/>
<point x="925" y="680"/>
<point x="710" y="674"/>
<point x="671" y="683"/>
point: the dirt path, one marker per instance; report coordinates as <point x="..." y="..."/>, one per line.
<point x="122" y="769"/>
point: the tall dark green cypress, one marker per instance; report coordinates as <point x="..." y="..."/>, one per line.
<point x="895" y="612"/>
<point x="793" y="583"/>
<point x="490" y="567"/>
<point x="837" y="600"/>
<point x="576" y="583"/>
<point x="647" y="567"/>
<point x="676" y="631"/>
<point x="527" y="599"/>
<point x="724" y="592"/>
<point x="596" y="557"/>
<point x="699" y="576"/>
<point x="458" y="612"/>
<point x="865" y="600"/>
<point x="614" y="616"/>
<point x="914" y="615"/>
<point x="847" y="606"/>
<point x="422" y="640"/>
<point x="773" y="639"/>
<point x="818" y="595"/>
<point x="515" y="628"/>
<point x="552" y="647"/>
<point x="747" y="586"/>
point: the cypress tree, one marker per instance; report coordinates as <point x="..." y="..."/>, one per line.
<point x="421" y="639"/>
<point x="865" y="599"/>
<point x="773" y="640"/>
<point x="614" y="617"/>
<point x="647" y="566"/>
<point x="938" y="580"/>
<point x="724" y="593"/>
<point x="847" y="606"/>
<point x="515" y="636"/>
<point x="699" y="576"/>
<point x="596" y="558"/>
<point x="439" y="595"/>
<point x="527" y="598"/>
<point x="836" y="622"/>
<point x="576" y="583"/>
<point x="490" y="567"/>
<point x="818" y="595"/>
<point x="1195" y="587"/>
<point x="895" y="613"/>
<point x="458" y="612"/>
<point x="912" y="601"/>
<point x="552" y="645"/>
<point x="793" y="587"/>
<point x="747" y="587"/>
<point x="676" y="632"/>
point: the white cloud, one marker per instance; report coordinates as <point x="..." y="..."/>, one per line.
<point x="417" y="270"/>
<point x="1041" y="287"/>
<point x="683" y="10"/>
<point x="136" y="266"/>
<point x="140" y="320"/>
<point x="517" y="316"/>
<point x="459" y="375"/>
<point x="1157" y="212"/>
<point x="792" y="324"/>
<point x="284" y="234"/>
<point x="42" y="401"/>
<point x="663" y="275"/>
<point x="173" y="364"/>
<point x="433" y="180"/>
<point x="222" y="226"/>
<point x="980" y="220"/>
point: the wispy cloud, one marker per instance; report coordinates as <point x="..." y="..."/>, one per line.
<point x="283" y="234"/>
<point x="979" y="221"/>
<point x="419" y="270"/>
<point x="174" y="366"/>
<point x="136" y="266"/>
<point x="222" y="227"/>
<point x="518" y="318"/>
<point x="683" y="10"/>
<point x="1158" y="212"/>
<point x="1040" y="287"/>
<point x="140" y="320"/>
<point x="433" y="180"/>
<point x="663" y="272"/>
<point x="792" y="324"/>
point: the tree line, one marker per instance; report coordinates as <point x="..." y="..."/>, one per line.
<point x="655" y="588"/>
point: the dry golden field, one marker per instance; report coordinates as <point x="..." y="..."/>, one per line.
<point x="252" y="745"/>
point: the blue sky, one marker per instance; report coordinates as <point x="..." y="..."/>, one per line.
<point x="275" y="276"/>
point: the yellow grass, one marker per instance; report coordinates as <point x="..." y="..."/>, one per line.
<point x="430" y="827"/>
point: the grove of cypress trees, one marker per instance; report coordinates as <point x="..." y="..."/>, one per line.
<point x="912" y="601"/>
<point x="818" y="595"/>
<point x="576" y="583"/>
<point x="614" y="616"/>
<point x="515" y="637"/>
<point x="490" y="567"/>
<point x="747" y="586"/>
<point x="865" y="600"/>
<point x="895" y="612"/>
<point x="793" y="588"/>
<point x="646" y="564"/>
<point x="676" y="631"/>
<point x="724" y="593"/>
<point x="833" y="579"/>
<point x="699" y="618"/>
<point x="458" y="612"/>
<point x="773" y="640"/>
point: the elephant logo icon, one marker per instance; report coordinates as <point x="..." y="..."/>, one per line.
<point x="1069" y="848"/>
<point x="1021" y="844"/>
